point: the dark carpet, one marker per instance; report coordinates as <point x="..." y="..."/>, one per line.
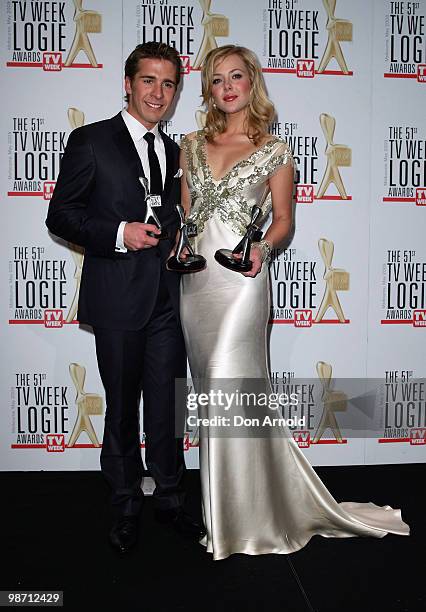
<point x="55" y="530"/>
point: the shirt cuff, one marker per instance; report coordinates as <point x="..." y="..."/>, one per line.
<point x="119" y="243"/>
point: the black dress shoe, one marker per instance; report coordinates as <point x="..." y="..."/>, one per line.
<point x="124" y="533"/>
<point x="181" y="522"/>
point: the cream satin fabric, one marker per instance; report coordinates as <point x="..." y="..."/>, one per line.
<point x="259" y="495"/>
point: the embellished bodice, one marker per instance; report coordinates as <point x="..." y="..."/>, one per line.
<point x="232" y="197"/>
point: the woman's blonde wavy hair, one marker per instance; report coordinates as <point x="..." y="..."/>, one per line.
<point x="260" y="112"/>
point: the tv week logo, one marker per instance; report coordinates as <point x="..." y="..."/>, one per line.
<point x="304" y="194"/>
<point x="421" y="73"/>
<point x="53" y="318"/>
<point x="185" y="64"/>
<point x="418" y="436"/>
<point x="303" y="318"/>
<point x="419" y="318"/>
<point x="305" y="69"/>
<point x="48" y="188"/>
<point x="303" y="438"/>
<point x="52" y="62"/>
<point x="421" y="196"/>
<point x="55" y="443"/>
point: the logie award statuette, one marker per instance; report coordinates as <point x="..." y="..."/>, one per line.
<point x="87" y="404"/>
<point x="336" y="279"/>
<point x="76" y="120"/>
<point x="86" y="22"/>
<point x="152" y="201"/>
<point x="214" y="25"/>
<point x="253" y="234"/>
<point x="333" y="401"/>
<point x="191" y="262"/>
<point x="337" y="155"/>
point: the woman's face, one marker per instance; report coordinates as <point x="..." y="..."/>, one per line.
<point x="231" y="84"/>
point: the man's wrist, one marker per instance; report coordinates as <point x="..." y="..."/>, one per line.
<point x="120" y="247"/>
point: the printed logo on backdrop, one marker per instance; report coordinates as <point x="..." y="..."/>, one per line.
<point x="43" y="290"/>
<point x="306" y="42"/>
<point x="403" y="405"/>
<point x="322" y="426"/>
<point x="192" y="28"/>
<point x="52" y="35"/>
<point x="35" y="153"/>
<point x="405" y="41"/>
<point x="405" y="164"/>
<point x="35" y="150"/>
<point x="43" y="415"/>
<point x="58" y="417"/>
<point x="305" y="290"/>
<point x="318" y="159"/>
<point x="170" y="129"/>
<point x="404" y="288"/>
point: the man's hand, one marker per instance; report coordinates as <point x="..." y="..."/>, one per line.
<point x="255" y="258"/>
<point x="136" y="238"/>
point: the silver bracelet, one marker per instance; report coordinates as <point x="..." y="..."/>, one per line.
<point x="265" y="248"/>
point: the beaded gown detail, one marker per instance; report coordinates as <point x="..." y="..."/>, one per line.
<point x="259" y="495"/>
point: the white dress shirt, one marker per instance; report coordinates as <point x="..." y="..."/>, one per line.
<point x="137" y="132"/>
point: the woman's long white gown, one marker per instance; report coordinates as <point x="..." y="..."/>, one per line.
<point x="259" y="495"/>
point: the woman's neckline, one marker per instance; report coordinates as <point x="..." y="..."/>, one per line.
<point x="203" y="147"/>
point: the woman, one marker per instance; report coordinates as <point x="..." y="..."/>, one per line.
<point x="260" y="495"/>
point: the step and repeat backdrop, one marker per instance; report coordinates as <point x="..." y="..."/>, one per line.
<point x="348" y="80"/>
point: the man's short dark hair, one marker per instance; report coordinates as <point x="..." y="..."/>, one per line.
<point x="152" y="50"/>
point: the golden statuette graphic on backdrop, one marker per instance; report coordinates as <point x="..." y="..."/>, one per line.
<point x="86" y="22"/>
<point x="87" y="404"/>
<point x="335" y="280"/>
<point x="76" y="119"/>
<point x="333" y="401"/>
<point x="339" y="30"/>
<point x="200" y="118"/>
<point x="337" y="155"/>
<point x="214" y="25"/>
<point x="78" y="256"/>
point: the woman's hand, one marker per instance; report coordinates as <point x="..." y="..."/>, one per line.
<point x="183" y="254"/>
<point x="256" y="260"/>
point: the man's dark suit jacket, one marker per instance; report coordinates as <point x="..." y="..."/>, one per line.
<point x="97" y="188"/>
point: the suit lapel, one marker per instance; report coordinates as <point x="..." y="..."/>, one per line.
<point x="170" y="163"/>
<point x="130" y="156"/>
<point x="126" y="147"/>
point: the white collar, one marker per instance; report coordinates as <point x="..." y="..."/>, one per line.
<point x="136" y="129"/>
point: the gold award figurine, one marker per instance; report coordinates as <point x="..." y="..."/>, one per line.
<point x="78" y="256"/>
<point x="200" y="118"/>
<point x="85" y="22"/>
<point x="337" y="155"/>
<point x="333" y="401"/>
<point x="335" y="279"/>
<point x="338" y="30"/>
<point x="87" y="404"/>
<point x="214" y="25"/>
<point x="76" y="119"/>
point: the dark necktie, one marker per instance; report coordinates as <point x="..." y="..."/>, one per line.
<point x="155" y="180"/>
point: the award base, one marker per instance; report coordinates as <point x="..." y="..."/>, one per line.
<point x="191" y="263"/>
<point x="227" y="260"/>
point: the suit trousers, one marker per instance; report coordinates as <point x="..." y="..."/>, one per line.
<point x="146" y="362"/>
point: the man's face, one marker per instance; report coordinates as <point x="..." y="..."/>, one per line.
<point x="151" y="91"/>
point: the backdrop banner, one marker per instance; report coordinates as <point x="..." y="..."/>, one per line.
<point x="348" y="296"/>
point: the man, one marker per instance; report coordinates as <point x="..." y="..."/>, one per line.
<point x="126" y="293"/>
